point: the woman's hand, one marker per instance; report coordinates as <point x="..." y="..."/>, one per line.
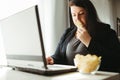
<point x="82" y="34"/>
<point x="50" y="60"/>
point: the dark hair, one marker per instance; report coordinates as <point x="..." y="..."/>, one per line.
<point x="92" y="17"/>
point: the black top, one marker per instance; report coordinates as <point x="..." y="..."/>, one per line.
<point x="104" y="43"/>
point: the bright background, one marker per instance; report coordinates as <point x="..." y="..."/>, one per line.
<point x="54" y="17"/>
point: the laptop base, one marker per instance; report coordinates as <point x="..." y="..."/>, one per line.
<point x="45" y="71"/>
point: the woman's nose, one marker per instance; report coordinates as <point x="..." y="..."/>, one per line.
<point x="76" y="18"/>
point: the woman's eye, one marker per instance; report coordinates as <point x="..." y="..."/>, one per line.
<point x="81" y="13"/>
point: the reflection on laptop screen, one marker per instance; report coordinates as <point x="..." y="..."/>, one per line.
<point x="21" y="38"/>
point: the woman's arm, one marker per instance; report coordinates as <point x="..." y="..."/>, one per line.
<point x="107" y="45"/>
<point x="107" y="42"/>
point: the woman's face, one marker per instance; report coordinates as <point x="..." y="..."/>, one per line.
<point x="78" y="14"/>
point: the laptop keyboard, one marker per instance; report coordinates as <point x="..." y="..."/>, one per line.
<point x="58" y="67"/>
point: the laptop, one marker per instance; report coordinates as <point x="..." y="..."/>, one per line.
<point x="24" y="46"/>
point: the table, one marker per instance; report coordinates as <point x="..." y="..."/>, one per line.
<point x="9" y="74"/>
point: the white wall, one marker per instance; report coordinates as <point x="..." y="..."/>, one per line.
<point x="55" y="23"/>
<point x="9" y="7"/>
<point x="105" y="11"/>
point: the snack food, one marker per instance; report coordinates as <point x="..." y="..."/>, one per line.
<point x="79" y="24"/>
<point x="88" y="63"/>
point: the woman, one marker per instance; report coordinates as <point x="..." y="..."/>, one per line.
<point x="87" y="35"/>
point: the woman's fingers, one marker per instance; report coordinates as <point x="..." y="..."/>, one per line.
<point x="83" y="36"/>
<point x="50" y="60"/>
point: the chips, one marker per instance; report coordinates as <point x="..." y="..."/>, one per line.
<point x="88" y="63"/>
<point x="79" y="24"/>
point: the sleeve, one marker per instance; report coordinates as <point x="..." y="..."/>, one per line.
<point x="107" y="45"/>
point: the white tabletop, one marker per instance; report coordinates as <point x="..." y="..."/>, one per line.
<point x="9" y="74"/>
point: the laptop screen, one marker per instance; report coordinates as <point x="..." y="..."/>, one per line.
<point x="21" y="38"/>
